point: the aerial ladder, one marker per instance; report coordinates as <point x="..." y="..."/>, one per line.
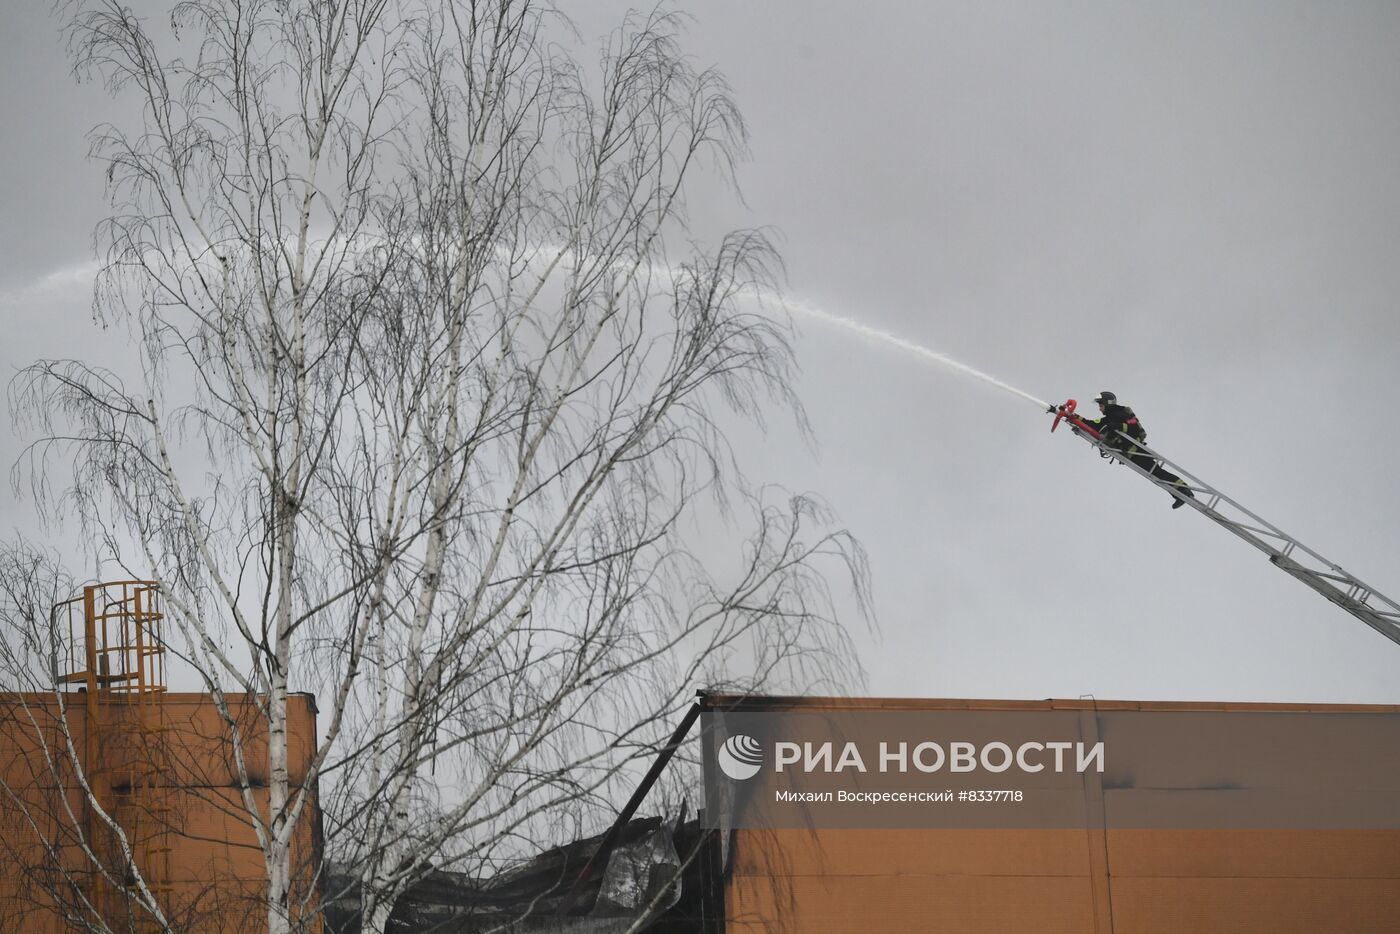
<point x="1284" y="551"/>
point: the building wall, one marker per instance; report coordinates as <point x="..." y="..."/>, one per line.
<point x="1115" y="881"/>
<point x="166" y="774"/>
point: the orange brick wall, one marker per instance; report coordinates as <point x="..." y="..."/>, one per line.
<point x="215" y="868"/>
<point x="829" y="881"/>
<point x="1058" y="881"/>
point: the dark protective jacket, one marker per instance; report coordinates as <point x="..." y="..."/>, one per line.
<point x="1118" y="418"/>
<point x="1121" y="418"/>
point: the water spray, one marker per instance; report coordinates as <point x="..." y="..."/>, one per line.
<point x="802" y="308"/>
<point x="1285" y="552"/>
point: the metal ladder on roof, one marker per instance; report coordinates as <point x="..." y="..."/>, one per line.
<point x="1285" y="552"/>
<point x="115" y="655"/>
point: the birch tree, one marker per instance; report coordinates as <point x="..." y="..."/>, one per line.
<point x="431" y="412"/>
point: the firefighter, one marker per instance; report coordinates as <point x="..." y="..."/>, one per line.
<point x="1118" y="421"/>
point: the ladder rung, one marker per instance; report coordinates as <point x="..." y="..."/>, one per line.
<point x="1268" y="533"/>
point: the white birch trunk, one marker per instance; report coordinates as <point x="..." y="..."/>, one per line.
<point x="471" y="305"/>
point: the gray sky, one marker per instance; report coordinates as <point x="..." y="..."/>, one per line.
<point x="1191" y="204"/>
